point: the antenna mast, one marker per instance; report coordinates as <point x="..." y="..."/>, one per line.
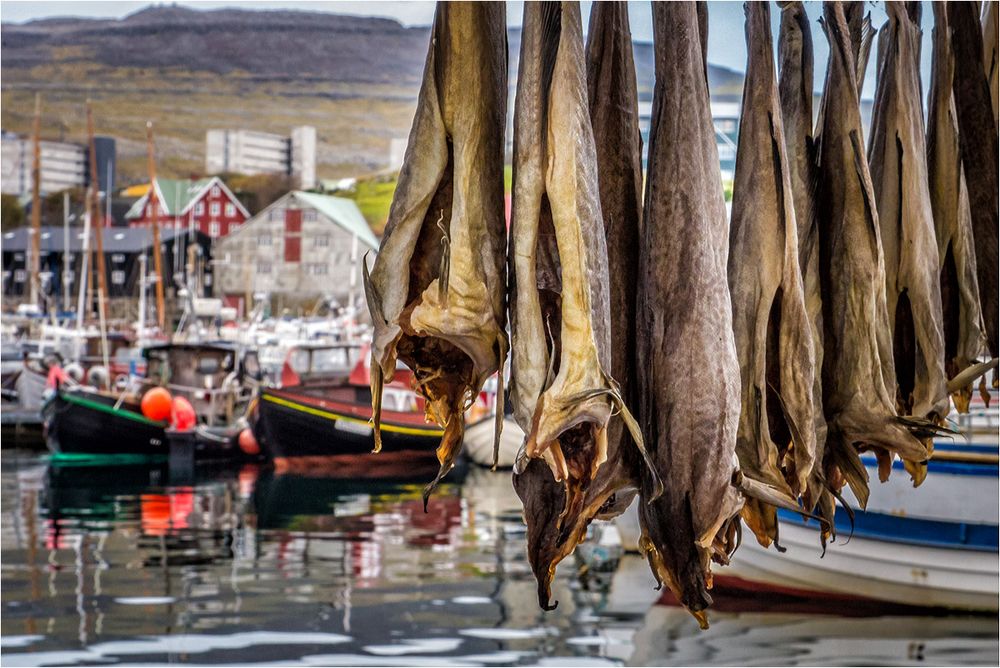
<point x="154" y="215"/>
<point x="36" y="200"/>
<point x="98" y="225"/>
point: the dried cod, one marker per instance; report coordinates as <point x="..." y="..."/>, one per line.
<point x="688" y="372"/>
<point x="978" y="140"/>
<point x="897" y="160"/>
<point x="858" y="374"/>
<point x="964" y="341"/>
<point x="776" y="439"/>
<point x="436" y="292"/>
<point x="795" y="89"/>
<point x="562" y="392"/>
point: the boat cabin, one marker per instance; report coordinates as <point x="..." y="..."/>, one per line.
<point x="217" y="378"/>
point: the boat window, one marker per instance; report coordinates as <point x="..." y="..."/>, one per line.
<point x="329" y="359"/>
<point x="251" y="365"/>
<point x="208" y="365"/>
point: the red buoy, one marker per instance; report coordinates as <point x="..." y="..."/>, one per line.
<point x="184" y="415"/>
<point x="248" y="442"/>
<point x="156" y="404"/>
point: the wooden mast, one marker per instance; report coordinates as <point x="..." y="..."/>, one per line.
<point x="97" y="227"/>
<point x="35" y="267"/>
<point x="154" y="216"/>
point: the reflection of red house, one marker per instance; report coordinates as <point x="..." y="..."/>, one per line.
<point x="206" y="204"/>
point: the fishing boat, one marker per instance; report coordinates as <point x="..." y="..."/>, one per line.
<point x="217" y="379"/>
<point x="933" y="546"/>
<point x="323" y="410"/>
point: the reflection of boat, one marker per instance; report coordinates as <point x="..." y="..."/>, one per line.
<point x="213" y="377"/>
<point x="308" y="503"/>
<point x="931" y="546"/>
<point x="323" y="415"/>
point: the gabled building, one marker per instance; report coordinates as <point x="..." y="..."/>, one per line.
<point x="301" y="248"/>
<point x="205" y="204"/>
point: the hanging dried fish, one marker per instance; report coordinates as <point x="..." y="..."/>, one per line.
<point x="436" y="292"/>
<point x="989" y="17"/>
<point x="897" y="159"/>
<point x="776" y="439"/>
<point x="795" y="88"/>
<point x="979" y="144"/>
<point x="562" y="392"/>
<point x="964" y="341"/>
<point x="858" y="375"/>
<point x="688" y="372"/>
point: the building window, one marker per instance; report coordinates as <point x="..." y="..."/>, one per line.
<point x="230" y="210"/>
<point x="276" y="214"/>
<point x="199" y="209"/>
<point x="309" y="215"/>
<point x="118" y="258"/>
<point x="213" y="229"/>
<point x="316" y="269"/>
<point x="215" y="191"/>
<point x="214" y="208"/>
<point x="264" y="240"/>
<point x="19" y="275"/>
<point x="321" y="240"/>
<point x="118" y="277"/>
<point x="263" y="267"/>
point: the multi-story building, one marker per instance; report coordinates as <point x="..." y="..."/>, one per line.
<point x="205" y="204"/>
<point x="301" y="248"/>
<point x="249" y="152"/>
<point x="63" y="165"/>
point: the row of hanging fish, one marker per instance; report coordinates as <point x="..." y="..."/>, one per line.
<point x="715" y="369"/>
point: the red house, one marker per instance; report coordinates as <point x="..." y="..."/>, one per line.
<point x="206" y="204"/>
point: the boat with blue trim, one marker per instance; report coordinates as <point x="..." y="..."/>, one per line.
<point x="933" y="546"/>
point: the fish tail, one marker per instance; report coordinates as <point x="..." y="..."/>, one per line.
<point x="499" y="407"/>
<point x="377" y="380"/>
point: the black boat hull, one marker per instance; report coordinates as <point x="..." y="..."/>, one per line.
<point x="289" y="428"/>
<point x="89" y="424"/>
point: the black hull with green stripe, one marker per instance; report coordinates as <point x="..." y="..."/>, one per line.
<point x="293" y="425"/>
<point x="82" y="422"/>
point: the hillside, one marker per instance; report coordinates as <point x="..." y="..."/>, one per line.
<point x="356" y="79"/>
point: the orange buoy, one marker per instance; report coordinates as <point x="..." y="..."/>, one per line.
<point x="184" y="415"/>
<point x="156" y="404"/>
<point x="248" y="442"/>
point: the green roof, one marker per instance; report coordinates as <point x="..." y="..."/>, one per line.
<point x="177" y="194"/>
<point x="342" y="211"/>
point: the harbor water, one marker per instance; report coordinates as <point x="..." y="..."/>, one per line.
<point x="129" y="562"/>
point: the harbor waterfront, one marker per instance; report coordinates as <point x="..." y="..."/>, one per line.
<point x="122" y="564"/>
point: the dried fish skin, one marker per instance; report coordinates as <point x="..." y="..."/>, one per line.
<point x="563" y="394"/>
<point x="795" y="90"/>
<point x="964" y="340"/>
<point x="688" y="371"/>
<point x="858" y="373"/>
<point x="979" y="144"/>
<point x="437" y="288"/>
<point x="989" y="19"/>
<point x="897" y="160"/>
<point x="776" y="438"/>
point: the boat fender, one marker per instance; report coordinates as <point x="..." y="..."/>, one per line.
<point x="156" y="404"/>
<point x="184" y="417"/>
<point x="248" y="442"/>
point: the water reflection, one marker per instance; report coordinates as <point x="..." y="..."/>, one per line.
<point x="132" y="563"/>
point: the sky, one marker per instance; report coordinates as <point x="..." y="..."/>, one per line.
<point x="726" y="40"/>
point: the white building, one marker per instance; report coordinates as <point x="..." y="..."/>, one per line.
<point x="249" y="152"/>
<point x="301" y="248"/>
<point x="62" y="165"/>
